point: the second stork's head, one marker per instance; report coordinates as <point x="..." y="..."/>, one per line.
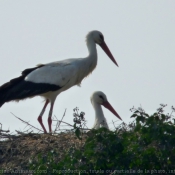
<point x="100" y="98"/>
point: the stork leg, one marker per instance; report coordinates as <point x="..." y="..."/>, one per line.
<point x="50" y="117"/>
<point x="41" y="114"/>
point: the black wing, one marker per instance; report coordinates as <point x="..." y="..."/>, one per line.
<point x="18" y="88"/>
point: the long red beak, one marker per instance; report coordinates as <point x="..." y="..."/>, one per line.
<point x="108" y="52"/>
<point x="108" y="106"/>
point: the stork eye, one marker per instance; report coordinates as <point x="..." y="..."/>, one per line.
<point x="101" y="97"/>
<point x="101" y="36"/>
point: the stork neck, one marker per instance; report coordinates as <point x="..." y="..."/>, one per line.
<point x="91" y="48"/>
<point x="98" y="111"/>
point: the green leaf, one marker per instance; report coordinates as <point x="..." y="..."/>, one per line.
<point x="134" y="115"/>
<point x="78" y="133"/>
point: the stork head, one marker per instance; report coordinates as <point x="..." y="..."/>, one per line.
<point x="98" y="38"/>
<point x="100" y="98"/>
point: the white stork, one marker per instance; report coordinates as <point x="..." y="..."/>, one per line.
<point x="98" y="98"/>
<point x="49" y="80"/>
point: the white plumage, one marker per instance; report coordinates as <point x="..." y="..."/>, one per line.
<point x="49" y="80"/>
<point x="98" y="98"/>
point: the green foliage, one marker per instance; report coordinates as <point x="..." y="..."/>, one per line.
<point x="146" y="146"/>
<point x="79" y="122"/>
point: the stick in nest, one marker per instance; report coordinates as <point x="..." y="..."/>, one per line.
<point x="26" y="122"/>
<point x="59" y="122"/>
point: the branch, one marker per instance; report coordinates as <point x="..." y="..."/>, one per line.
<point x="26" y="122"/>
<point x="72" y="125"/>
<point x="65" y="123"/>
<point x="62" y="118"/>
<point x="4" y="130"/>
<point x="58" y="125"/>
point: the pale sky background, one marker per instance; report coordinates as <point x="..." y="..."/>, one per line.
<point x="140" y="35"/>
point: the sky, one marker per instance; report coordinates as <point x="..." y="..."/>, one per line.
<point x="140" y="35"/>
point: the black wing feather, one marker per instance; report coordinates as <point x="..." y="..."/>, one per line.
<point x="18" y="88"/>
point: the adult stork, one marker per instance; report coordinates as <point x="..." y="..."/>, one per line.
<point x="49" y="80"/>
<point x="98" y="98"/>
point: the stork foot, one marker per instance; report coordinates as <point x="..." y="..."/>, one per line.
<point x="41" y="123"/>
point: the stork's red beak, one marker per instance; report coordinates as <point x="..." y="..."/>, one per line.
<point x="108" y="52"/>
<point x="108" y="106"/>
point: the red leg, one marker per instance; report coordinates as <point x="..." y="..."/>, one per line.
<point x="50" y="117"/>
<point x="41" y="114"/>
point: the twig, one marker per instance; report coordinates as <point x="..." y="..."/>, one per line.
<point x="2" y="135"/>
<point x="113" y="124"/>
<point x="65" y="123"/>
<point x="56" y="123"/>
<point x="72" y="125"/>
<point x="8" y="136"/>
<point x="26" y="122"/>
<point x="4" y="130"/>
<point x="61" y="119"/>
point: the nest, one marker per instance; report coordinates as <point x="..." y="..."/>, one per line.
<point x="16" y="152"/>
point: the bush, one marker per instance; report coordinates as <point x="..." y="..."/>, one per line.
<point x="145" y="146"/>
